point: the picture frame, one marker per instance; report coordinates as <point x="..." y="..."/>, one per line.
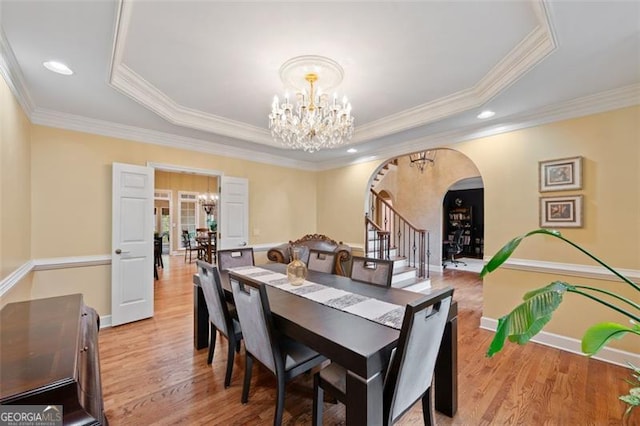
<point x="561" y="174"/>
<point x="561" y="212"/>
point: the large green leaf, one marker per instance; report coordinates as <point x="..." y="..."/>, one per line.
<point x="528" y="318"/>
<point x="600" y="334"/>
<point x="558" y="286"/>
<point x="505" y="252"/>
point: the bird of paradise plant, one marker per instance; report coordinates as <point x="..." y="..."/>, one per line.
<point x="527" y="319"/>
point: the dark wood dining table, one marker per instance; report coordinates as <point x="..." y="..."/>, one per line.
<point x="360" y="345"/>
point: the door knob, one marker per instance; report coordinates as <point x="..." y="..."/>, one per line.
<point x="118" y="251"/>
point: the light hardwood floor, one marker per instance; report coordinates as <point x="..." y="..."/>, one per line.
<point x="152" y="375"/>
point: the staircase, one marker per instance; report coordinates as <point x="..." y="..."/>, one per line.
<point x="390" y="236"/>
<point x="404" y="276"/>
<point x="391" y="165"/>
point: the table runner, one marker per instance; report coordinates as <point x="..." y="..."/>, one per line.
<point x="384" y="313"/>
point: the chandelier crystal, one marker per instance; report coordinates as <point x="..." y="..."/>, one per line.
<point x="315" y="121"/>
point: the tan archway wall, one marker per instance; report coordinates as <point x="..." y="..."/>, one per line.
<point x="418" y="196"/>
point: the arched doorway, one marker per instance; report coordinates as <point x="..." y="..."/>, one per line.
<point x="418" y="194"/>
<point x="463" y="211"/>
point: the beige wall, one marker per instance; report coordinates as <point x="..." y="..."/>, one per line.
<point x="508" y="165"/>
<point x="420" y="195"/>
<point x="15" y="194"/>
<point x="68" y="175"/>
<point x="72" y="177"/>
<point x="15" y="184"/>
<point x="282" y="201"/>
<point x="341" y="201"/>
<point x="610" y="145"/>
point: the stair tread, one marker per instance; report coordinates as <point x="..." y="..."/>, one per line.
<point x="409" y="282"/>
<point x="403" y="269"/>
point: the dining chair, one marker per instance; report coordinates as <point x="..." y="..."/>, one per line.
<point x="372" y="271"/>
<point x="188" y="247"/>
<point x="321" y="261"/>
<point x="231" y="258"/>
<point x="410" y="371"/>
<point x="284" y="357"/>
<point x="220" y="317"/>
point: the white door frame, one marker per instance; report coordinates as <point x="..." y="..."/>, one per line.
<point x="164" y="167"/>
<point x="170" y="198"/>
<point x="196" y="209"/>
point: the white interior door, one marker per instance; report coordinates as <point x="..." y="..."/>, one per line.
<point x="233" y="226"/>
<point x="132" y="243"/>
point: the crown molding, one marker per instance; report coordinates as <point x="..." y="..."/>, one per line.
<point x="539" y="43"/>
<point x="609" y="100"/>
<point x="536" y="46"/>
<point x="105" y="128"/>
<point x="137" y="88"/>
<point x="134" y="86"/>
<point x="10" y="71"/>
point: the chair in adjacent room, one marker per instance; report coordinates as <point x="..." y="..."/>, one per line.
<point x="188" y="247"/>
<point x="220" y="317"/>
<point x="157" y="256"/>
<point x="454" y="248"/>
<point x="284" y="357"/>
<point x="232" y="258"/>
<point x="372" y="271"/>
<point x="410" y="372"/>
<point x="322" y="261"/>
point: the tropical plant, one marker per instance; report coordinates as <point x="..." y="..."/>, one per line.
<point x="633" y="399"/>
<point x="527" y="319"/>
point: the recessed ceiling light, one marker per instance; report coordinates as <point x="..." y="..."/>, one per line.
<point x="352" y="150"/>
<point x="57" y="67"/>
<point x="486" y="114"/>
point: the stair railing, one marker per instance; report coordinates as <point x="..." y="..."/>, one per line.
<point x="410" y="241"/>
<point x="380" y="245"/>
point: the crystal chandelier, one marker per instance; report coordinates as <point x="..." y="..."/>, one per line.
<point x="314" y="122"/>
<point x="208" y="201"/>
<point x="422" y="159"/>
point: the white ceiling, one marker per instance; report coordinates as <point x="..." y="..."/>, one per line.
<point x="202" y="74"/>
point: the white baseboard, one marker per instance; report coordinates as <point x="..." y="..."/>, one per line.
<point x="105" y="321"/>
<point x="436" y="268"/>
<point x="569" y="344"/>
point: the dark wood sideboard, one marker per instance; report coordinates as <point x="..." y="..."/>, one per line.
<point x="49" y="356"/>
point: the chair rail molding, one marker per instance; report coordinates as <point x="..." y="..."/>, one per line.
<point x="15" y="277"/>
<point x="570" y="269"/>
<point x="20" y="273"/>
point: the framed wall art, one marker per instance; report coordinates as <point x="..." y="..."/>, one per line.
<point x="561" y="212"/>
<point x="561" y="174"/>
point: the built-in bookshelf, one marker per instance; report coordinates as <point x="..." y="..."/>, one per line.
<point x="461" y="218"/>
